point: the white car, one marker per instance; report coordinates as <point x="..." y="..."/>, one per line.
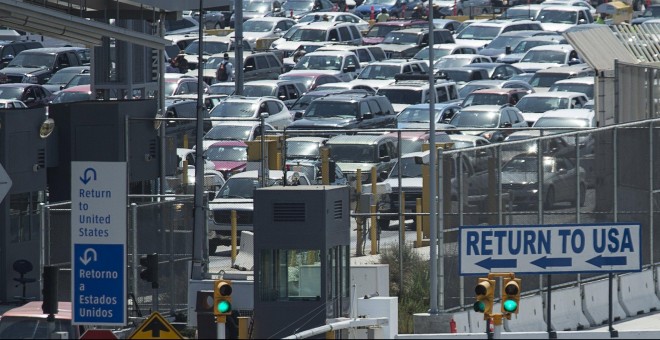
<point x="265" y="29"/>
<point x="533" y="105"/>
<point x="238" y="194"/>
<point x="12" y="104"/>
<point x="441" y="50"/>
<point x="561" y="17"/>
<point x="342" y="64"/>
<point x="546" y="56"/>
<point x="239" y="107"/>
<point x="336" y="17"/>
<point x="458" y="60"/>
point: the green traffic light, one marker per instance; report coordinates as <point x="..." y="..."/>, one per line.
<point x="224" y="307"/>
<point x="510" y="306"/>
<point x="479" y="307"/>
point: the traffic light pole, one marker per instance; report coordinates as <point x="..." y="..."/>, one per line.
<point x="221" y="330"/>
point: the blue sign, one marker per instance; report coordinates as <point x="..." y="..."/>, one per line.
<point x="99" y="282"/>
<point x="98" y="243"/>
<point x="549" y="249"/>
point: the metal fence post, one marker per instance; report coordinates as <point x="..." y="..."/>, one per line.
<point x="134" y="245"/>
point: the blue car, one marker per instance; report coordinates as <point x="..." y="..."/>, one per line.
<point x="394" y="8"/>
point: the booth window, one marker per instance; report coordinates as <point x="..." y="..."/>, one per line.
<point x="23" y="217"/>
<point x="290" y="275"/>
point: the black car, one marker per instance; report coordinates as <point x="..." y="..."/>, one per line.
<point x="39" y="64"/>
<point x="347" y="111"/>
<point x="33" y="95"/>
<point x="9" y="50"/>
<point x="462" y="74"/>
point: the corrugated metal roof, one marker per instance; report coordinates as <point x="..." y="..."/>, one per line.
<point x="640" y="40"/>
<point x="599" y="47"/>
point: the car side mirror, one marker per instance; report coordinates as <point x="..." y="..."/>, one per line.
<point x="506" y="125"/>
<point x="7" y="58"/>
<point x="297" y="115"/>
<point x="248" y="68"/>
<point x="383" y="175"/>
<point x="385" y="159"/>
<point x="574" y="61"/>
<point x="367" y="115"/>
<point x="562" y="171"/>
<point x="581" y="22"/>
<point x="507" y="50"/>
<point x="349" y="68"/>
<point x="278" y="31"/>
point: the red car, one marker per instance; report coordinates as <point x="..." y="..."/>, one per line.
<point x="379" y="30"/>
<point x="79" y="93"/>
<point x="228" y="156"/>
<point x="311" y="79"/>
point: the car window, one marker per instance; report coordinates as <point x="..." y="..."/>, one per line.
<point x="382" y="150"/>
<point x="364" y="108"/>
<point x="504" y="117"/>
<point x="453" y="93"/>
<point x="378" y="53"/>
<point x="262" y="63"/>
<point x="292" y="91"/>
<point x="407" y="69"/>
<point x="344" y="34"/>
<point x="272" y="61"/>
<point x="375" y="108"/>
<point x="442" y="94"/>
<point x="355" y="32"/>
<point x="274" y="107"/>
<point x="333" y="35"/>
<point x="363" y="55"/>
<point x="352" y="60"/>
<point x="416" y="68"/>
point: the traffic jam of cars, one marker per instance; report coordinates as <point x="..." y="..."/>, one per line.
<point x="342" y="68"/>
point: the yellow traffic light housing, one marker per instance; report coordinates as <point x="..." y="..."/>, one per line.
<point x="510" y="296"/>
<point x="222" y="290"/>
<point x="485" y="295"/>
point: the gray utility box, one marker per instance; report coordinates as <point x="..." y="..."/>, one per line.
<point x="302" y="258"/>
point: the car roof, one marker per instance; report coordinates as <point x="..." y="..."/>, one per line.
<point x="553" y="47"/>
<point x="74" y="69"/>
<point x="564" y="8"/>
<point x="33" y="309"/>
<point x="399" y="22"/>
<point x="324" y="25"/>
<point x="239" y="98"/>
<point x="49" y="50"/>
<point x="577" y="80"/>
<point x="438" y="106"/>
<point x="236" y="123"/>
<point x="358" y="139"/>
<point x="273" y="82"/>
<point x="78" y="88"/>
<point x="499" y="91"/>
<point x="463" y="56"/>
<point x="484" y="108"/>
<point x="527" y="33"/>
<point x="549" y="37"/>
<point x="273" y="19"/>
<point x="331" y="53"/>
<point x="500" y="23"/>
<point x="554" y="95"/>
<point x="570" y="113"/>
<point x="566" y="69"/>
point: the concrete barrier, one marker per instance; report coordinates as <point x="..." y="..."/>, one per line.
<point x="637" y="293"/>
<point x="566" y="311"/>
<point x="462" y="320"/>
<point x="530" y="317"/>
<point x="477" y="322"/>
<point x="595" y="304"/>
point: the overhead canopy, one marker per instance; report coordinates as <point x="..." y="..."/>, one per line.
<point x="599" y="47"/>
<point x="39" y="20"/>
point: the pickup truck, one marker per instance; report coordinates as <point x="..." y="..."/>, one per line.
<point x="37" y="65"/>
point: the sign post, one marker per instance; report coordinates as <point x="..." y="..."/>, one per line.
<point x="98" y="237"/>
<point x="548" y="249"/>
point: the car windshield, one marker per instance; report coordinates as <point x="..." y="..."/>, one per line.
<point x="409" y="168"/>
<point x="467" y="89"/>
<point x="234" y="109"/>
<point x="561" y="122"/>
<point x="416" y="115"/>
<point x="15" y="327"/>
<point x="541" y="104"/>
<point x="520" y="13"/>
<point x="475" y="119"/>
<point x="438" y="53"/>
<point x="222" y="89"/>
<point x="79" y="79"/>
<point x="411" y="145"/>
<point x="557" y="17"/>
<point x="381" y="31"/>
<point x="485" y="99"/>
<point x="452" y="62"/>
<point x="305" y="80"/>
<point x="303" y="102"/>
<point x="305" y="34"/>
<point x="226" y="132"/>
<point x="401" y="96"/>
<point x="258" y="26"/>
<point x="461" y="75"/>
<point x="261" y="7"/>
<point x="401" y="38"/>
<point x="527" y="164"/>
<point x="543" y="56"/>
<point x="319" y="62"/>
<point x="327" y="109"/>
<point x="226" y="153"/>
<point x="478" y="32"/>
<point x="526" y="45"/>
<point x="290" y="32"/>
<point x="10" y="92"/>
<point x="61" y="77"/>
<point x="302" y="149"/>
<point x="250" y="90"/>
<point x="239" y="188"/>
<point x="379" y="72"/>
<point x="353" y="153"/>
<point x="546" y="79"/>
<point x="298" y="5"/>
<point x="32" y="60"/>
<point x="652" y="12"/>
<point x="209" y="47"/>
<point x="70" y="97"/>
<point x="587" y="89"/>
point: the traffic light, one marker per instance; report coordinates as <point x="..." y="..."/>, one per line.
<point x="485" y="291"/>
<point x="222" y="299"/>
<point x="510" y="296"/>
<point x="49" y="291"/>
<point x="149" y="272"/>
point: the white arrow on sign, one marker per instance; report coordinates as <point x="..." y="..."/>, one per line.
<point x="85" y="259"/>
<point x="5" y="183"/>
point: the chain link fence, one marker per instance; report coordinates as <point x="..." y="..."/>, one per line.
<point x="593" y="176"/>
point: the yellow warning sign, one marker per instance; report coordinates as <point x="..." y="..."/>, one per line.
<point x="156" y="327"/>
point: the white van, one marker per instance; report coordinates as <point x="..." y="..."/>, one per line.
<point x="318" y="32"/>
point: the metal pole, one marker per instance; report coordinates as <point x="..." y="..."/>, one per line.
<point x="221" y="330"/>
<point x="402" y="219"/>
<point x="198" y="217"/>
<point x="136" y="261"/>
<point x="161" y="103"/>
<point x="613" y="332"/>
<point x="441" y="234"/>
<point x="238" y="30"/>
<point x="263" y="151"/>
<point x="433" y="244"/>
